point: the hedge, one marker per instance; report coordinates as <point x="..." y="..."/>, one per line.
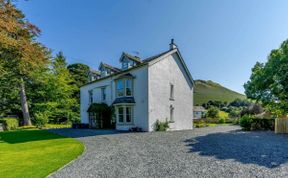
<point x="9" y="123"/>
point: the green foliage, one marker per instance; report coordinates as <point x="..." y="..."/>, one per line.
<point x="44" y="151"/>
<point x="245" y="122"/>
<point x="209" y="91"/>
<point x="213" y="112"/>
<point x="221" y="120"/>
<point x="161" y="126"/>
<point x="9" y="123"/>
<point x="79" y="72"/>
<point x="40" y="120"/>
<point x="269" y="81"/>
<point x="198" y="123"/>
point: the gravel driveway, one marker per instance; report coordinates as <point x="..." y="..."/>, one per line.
<point x="222" y="151"/>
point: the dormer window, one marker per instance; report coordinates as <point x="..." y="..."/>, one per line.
<point x="103" y="73"/>
<point x="125" y="65"/>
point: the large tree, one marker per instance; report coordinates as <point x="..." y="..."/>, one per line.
<point x="269" y="81"/>
<point x="20" y="53"/>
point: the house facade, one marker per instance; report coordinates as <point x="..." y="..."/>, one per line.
<point x="144" y="91"/>
<point x="198" y="112"/>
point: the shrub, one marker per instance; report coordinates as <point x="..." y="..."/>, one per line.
<point x="212" y="120"/>
<point x="199" y="123"/>
<point x="221" y="121"/>
<point x="161" y="126"/>
<point x="245" y="122"/>
<point x="262" y="124"/>
<point x="213" y="112"/>
<point x="9" y="123"/>
<point x="40" y="120"/>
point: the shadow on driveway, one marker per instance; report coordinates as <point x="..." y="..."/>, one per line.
<point x="78" y="133"/>
<point x="260" y="148"/>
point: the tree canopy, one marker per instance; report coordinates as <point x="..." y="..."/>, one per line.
<point x="269" y="81"/>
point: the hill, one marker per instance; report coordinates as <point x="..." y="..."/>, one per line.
<point x="209" y="90"/>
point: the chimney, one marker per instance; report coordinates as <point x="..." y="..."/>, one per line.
<point x="172" y="45"/>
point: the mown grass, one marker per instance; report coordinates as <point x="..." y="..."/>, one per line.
<point x="208" y="90"/>
<point x="35" y="153"/>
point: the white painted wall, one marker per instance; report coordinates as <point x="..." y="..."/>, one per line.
<point x="161" y="73"/>
<point x="140" y="93"/>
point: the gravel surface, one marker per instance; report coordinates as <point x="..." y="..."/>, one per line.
<point x="222" y="151"/>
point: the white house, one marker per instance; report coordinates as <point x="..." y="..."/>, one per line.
<point x="198" y="112"/>
<point x="144" y="91"/>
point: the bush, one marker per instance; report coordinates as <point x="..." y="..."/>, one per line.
<point x="198" y="123"/>
<point x="221" y="121"/>
<point x="245" y="122"/>
<point x="212" y="120"/>
<point x="9" y="123"/>
<point x="213" y="112"/>
<point x="263" y="124"/>
<point x="161" y="126"/>
<point x="40" y="120"/>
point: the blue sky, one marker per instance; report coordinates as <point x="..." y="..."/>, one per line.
<point x="219" y="40"/>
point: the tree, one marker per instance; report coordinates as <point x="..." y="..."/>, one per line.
<point x="20" y="54"/>
<point x="213" y="112"/>
<point x="269" y="81"/>
<point x="79" y="73"/>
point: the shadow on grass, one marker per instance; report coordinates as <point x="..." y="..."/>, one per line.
<point x="259" y="148"/>
<point x="22" y="136"/>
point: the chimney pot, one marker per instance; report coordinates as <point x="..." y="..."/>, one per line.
<point x="172" y="44"/>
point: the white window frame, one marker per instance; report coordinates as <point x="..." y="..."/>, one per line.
<point x="103" y="94"/>
<point x="125" y="114"/>
<point x="124" y="82"/>
<point x="123" y="88"/>
<point x="90" y="93"/>
<point x="131" y="87"/>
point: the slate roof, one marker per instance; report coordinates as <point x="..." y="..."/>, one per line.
<point x="143" y="62"/>
<point x="115" y="69"/>
<point x="155" y="57"/>
<point x="124" y="100"/>
<point x="131" y="57"/>
<point x="198" y="108"/>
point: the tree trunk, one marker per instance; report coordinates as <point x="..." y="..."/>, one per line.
<point x="24" y="104"/>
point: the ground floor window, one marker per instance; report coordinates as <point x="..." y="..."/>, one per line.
<point x="124" y="114"/>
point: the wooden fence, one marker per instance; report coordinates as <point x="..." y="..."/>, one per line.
<point x="281" y="125"/>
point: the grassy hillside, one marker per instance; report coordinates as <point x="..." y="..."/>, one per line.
<point x="209" y="90"/>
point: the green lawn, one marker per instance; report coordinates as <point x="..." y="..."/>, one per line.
<point x="35" y="153"/>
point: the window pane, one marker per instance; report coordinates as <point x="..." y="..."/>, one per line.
<point x="171" y="113"/>
<point x="120" y="88"/>
<point x="171" y="91"/>
<point x="128" y="114"/>
<point x="128" y="87"/>
<point x="120" y="114"/>
<point x="103" y="93"/>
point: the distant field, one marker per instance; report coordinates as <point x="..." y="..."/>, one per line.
<point x="208" y="90"/>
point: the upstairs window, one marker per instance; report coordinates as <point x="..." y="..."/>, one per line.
<point x="90" y="96"/>
<point x="120" y="88"/>
<point x="125" y="65"/>
<point x="171" y="91"/>
<point x="124" y="87"/>
<point x="103" y="73"/>
<point x="128" y="87"/>
<point x="103" y="94"/>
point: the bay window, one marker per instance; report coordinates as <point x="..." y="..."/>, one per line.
<point x="125" y="114"/>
